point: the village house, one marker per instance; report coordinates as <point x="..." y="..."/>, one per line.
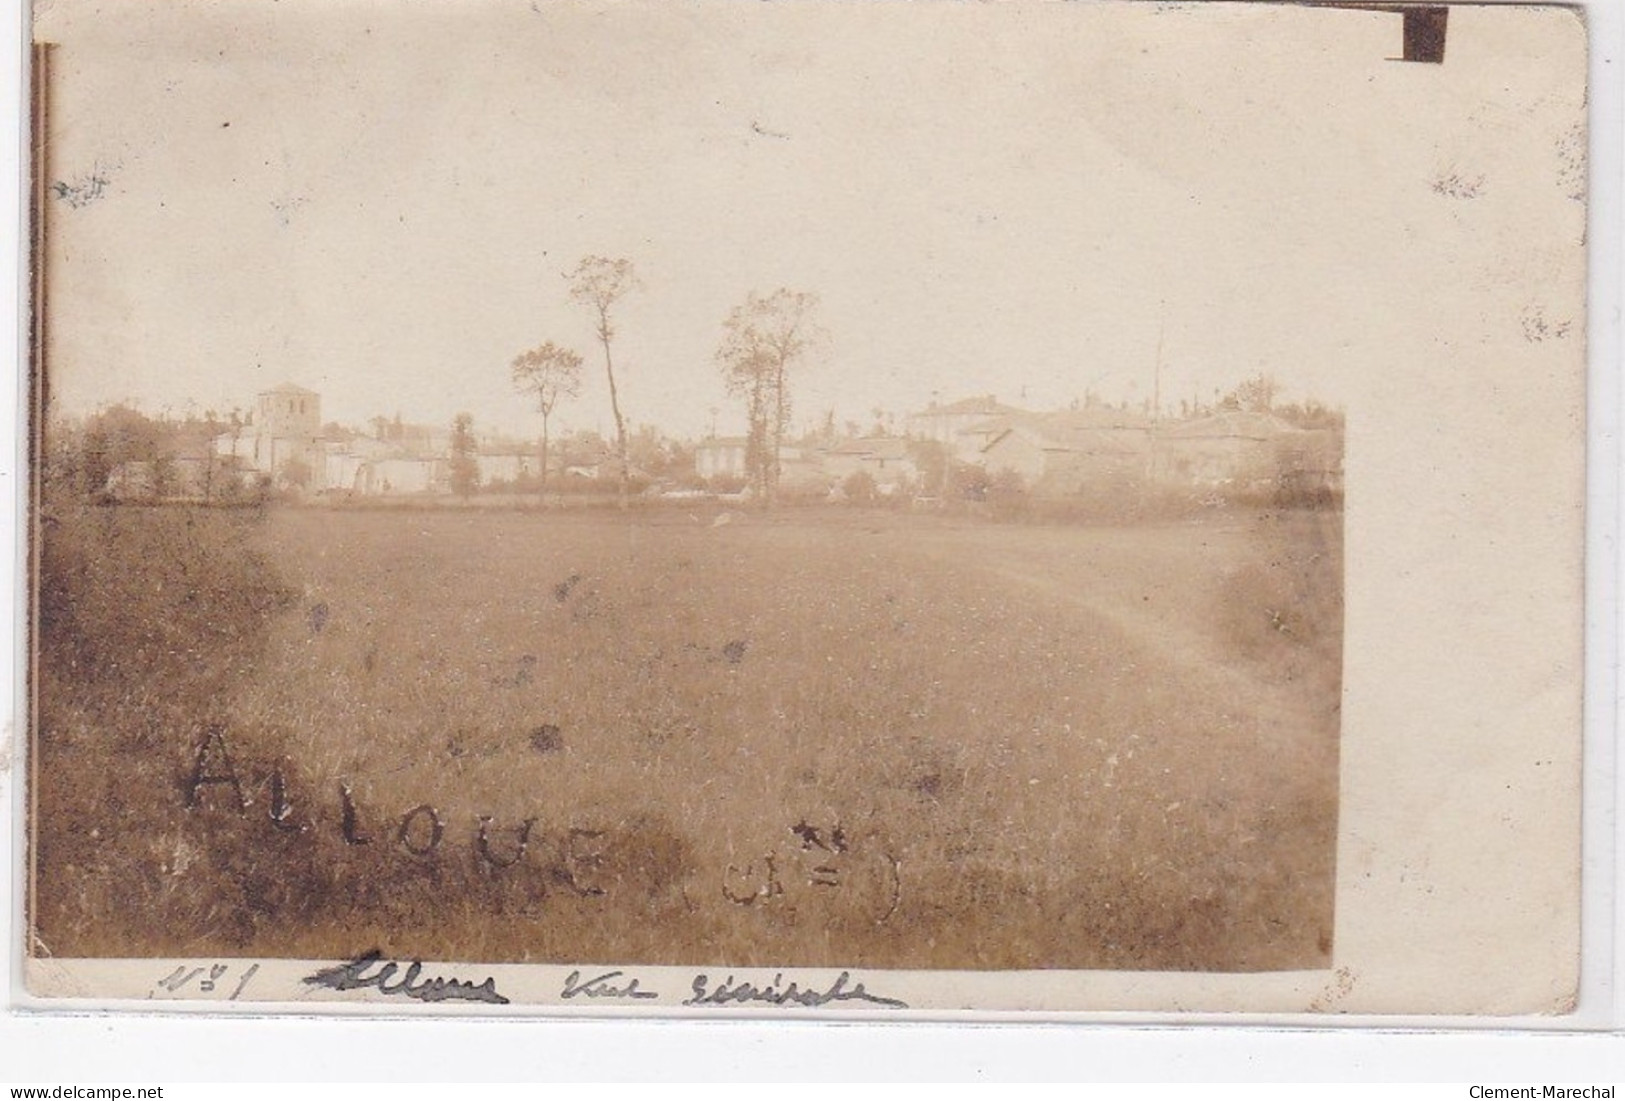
<point x="1091" y="446"/>
<point x="971" y="441"/>
<point x="422" y="441"/>
<point x="402" y="475"/>
<point x="956" y="425"/>
<point x="720" y="457"/>
<point x="1233" y="448"/>
<point x="801" y="470"/>
<point x="283" y="438"/>
<point x="723" y="457"/>
<point x="347" y="454"/>
<point x="403" y="459"/>
<point x="492" y="468"/>
<point x="586" y="458"/>
<point x="504" y="463"/>
<point x="283" y="441"/>
<point x="1057" y="454"/>
<point x="886" y="459"/>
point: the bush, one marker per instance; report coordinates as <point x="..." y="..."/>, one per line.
<point x="968" y="483"/>
<point x="859" y="488"/>
<point x="725" y="483"/>
<point x="146" y="617"/>
<point x="145" y="594"/>
<point x="1007" y="495"/>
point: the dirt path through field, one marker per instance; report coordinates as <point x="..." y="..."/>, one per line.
<point x="1126" y="577"/>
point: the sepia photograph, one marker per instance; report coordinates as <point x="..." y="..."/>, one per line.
<point x="743" y="488"/>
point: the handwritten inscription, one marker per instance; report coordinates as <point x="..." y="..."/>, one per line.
<point x="216" y="978"/>
<point x="611" y="984"/>
<point x="821" y="857"/>
<point x="355" y="976"/>
<point x="730" y="993"/>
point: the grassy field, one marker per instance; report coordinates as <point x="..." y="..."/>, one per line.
<point x="819" y="737"/>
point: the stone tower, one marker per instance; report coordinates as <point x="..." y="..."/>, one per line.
<point x="287" y="435"/>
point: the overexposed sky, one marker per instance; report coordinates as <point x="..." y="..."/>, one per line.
<point x="379" y="200"/>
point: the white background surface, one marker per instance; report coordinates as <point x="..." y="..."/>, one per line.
<point x="48" y="1049"/>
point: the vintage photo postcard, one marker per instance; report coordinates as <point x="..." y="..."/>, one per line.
<point x="808" y="507"/>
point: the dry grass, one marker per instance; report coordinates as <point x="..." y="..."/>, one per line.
<point x="829" y="737"/>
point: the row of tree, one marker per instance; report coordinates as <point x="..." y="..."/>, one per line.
<point x="121" y="453"/>
<point x="763" y="340"/>
<point x="550" y="372"/>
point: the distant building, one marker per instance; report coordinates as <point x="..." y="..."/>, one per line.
<point x="506" y="464"/>
<point x="346" y="456"/>
<point x="1232" y="448"/>
<point x="1061" y="453"/>
<point x="587" y="458"/>
<point x="422" y="441"/>
<point x="720" y="457"/>
<point x="953" y="425"/>
<point x="886" y="459"/>
<point x="802" y="470"/>
<point x="971" y="441"/>
<point x="283" y="438"/>
<point x="402" y="475"/>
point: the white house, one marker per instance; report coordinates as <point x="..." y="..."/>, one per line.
<point x="391" y="477"/>
<point x="1060" y="453"/>
<point x="500" y="464"/>
<point x="720" y="457"/>
<point x="884" y="458"/>
<point x="953" y="425"/>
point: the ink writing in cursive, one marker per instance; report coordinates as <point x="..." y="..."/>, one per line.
<point x="353" y="976"/>
<point x="603" y="986"/>
<point x="730" y="993"/>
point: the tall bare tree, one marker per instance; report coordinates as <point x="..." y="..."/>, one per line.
<point x="550" y="374"/>
<point x="762" y="340"/>
<point x="748" y="375"/>
<point x="465" y="463"/>
<point x="599" y="284"/>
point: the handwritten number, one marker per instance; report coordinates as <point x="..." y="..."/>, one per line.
<point x="182" y="975"/>
<point x="249" y="974"/>
<point x="179" y="978"/>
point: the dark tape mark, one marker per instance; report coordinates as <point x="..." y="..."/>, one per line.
<point x="1424" y="34"/>
<point x="1424" y="27"/>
